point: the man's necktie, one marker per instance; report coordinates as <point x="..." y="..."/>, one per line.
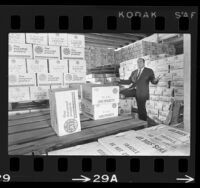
<point x="138" y="74"/>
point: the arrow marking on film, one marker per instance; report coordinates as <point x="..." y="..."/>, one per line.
<point x="83" y="179"/>
<point x="187" y="179"/>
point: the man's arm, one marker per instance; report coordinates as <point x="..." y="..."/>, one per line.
<point x="127" y="82"/>
<point x="152" y="77"/>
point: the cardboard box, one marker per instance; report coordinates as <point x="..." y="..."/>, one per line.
<point x="36" y="38"/>
<point x="58" y="39"/>
<point x="37" y="66"/>
<point x="150" y="104"/>
<point x="77" y="66"/>
<point x="72" y="53"/>
<point x="17" y="65"/>
<point x="93" y="148"/>
<point x="177" y="65"/>
<point x="158" y="91"/>
<point x="74" y="78"/>
<point x="46" y="79"/>
<point x="18" y="94"/>
<point x="163" y="84"/>
<point x="20" y="50"/>
<point x="165" y="99"/>
<point x="58" y="66"/>
<point x="125" y="106"/>
<point x="99" y="94"/>
<point x="177" y="83"/>
<point x="76" y="41"/>
<point x="64" y="111"/>
<point x="177" y="74"/>
<point x="166" y="106"/>
<point x="179" y="91"/>
<point x="17" y="38"/>
<point x="79" y="87"/>
<point x="99" y="111"/>
<point x="152" y="90"/>
<point x="152" y="111"/>
<point x="18" y="80"/>
<point x="158" y="105"/>
<point x="168" y="92"/>
<point x="154" y="98"/>
<point x="164" y="113"/>
<point x="46" y="52"/>
<point x="39" y="93"/>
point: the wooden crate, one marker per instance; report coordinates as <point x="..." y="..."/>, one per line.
<point x="31" y="133"/>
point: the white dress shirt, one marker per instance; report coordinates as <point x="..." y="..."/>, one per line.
<point x="140" y="72"/>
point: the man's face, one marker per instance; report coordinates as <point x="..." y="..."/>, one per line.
<point x="140" y="63"/>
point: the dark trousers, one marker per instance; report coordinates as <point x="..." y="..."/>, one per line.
<point x="141" y="102"/>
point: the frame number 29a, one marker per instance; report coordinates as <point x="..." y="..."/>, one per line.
<point x="104" y="178"/>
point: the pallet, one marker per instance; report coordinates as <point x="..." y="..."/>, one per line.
<point x="31" y="134"/>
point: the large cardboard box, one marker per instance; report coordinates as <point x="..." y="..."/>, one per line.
<point x="77" y="66"/>
<point x="36" y="38"/>
<point x="99" y="94"/>
<point x="20" y="50"/>
<point x="18" y="94"/>
<point x="58" y="39"/>
<point x="76" y="41"/>
<point x="37" y="66"/>
<point x="46" y="52"/>
<point x="93" y="148"/>
<point x="99" y="111"/>
<point x="17" y="65"/>
<point x="18" y="38"/>
<point x="47" y="79"/>
<point x="64" y="111"/>
<point x="72" y="53"/>
<point x="125" y="106"/>
<point x="58" y="66"/>
<point x="39" y="93"/>
<point x="18" y="80"/>
<point x="74" y="78"/>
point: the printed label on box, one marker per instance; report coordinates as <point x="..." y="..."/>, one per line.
<point x="77" y="66"/>
<point x="59" y="66"/>
<point x="58" y="39"/>
<point x="36" y="38"/>
<point x="18" y="38"/>
<point x="72" y="53"/>
<point x="18" y="94"/>
<point x="49" y="79"/>
<point x="47" y="52"/>
<point x="17" y="65"/>
<point x="37" y="66"/>
<point x="20" y="50"/>
<point x="22" y="80"/>
<point x="76" y="41"/>
<point x="74" y="78"/>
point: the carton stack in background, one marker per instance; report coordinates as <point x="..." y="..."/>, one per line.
<point x="101" y="78"/>
<point x="99" y="101"/>
<point x="42" y="61"/>
<point x="98" y="56"/>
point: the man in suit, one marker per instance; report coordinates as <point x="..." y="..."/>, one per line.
<point x="139" y="89"/>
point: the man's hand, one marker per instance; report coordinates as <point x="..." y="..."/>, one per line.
<point x="158" y="78"/>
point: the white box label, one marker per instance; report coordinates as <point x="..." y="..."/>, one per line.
<point x="74" y="78"/>
<point x="20" y="50"/>
<point x="76" y="41"/>
<point x="36" y="38"/>
<point x="18" y="38"/>
<point x="17" y="65"/>
<point x="72" y="53"/>
<point x="58" y="39"/>
<point x="49" y="79"/>
<point x="77" y="66"/>
<point x="37" y="66"/>
<point x="47" y="52"/>
<point x="58" y="66"/>
<point x="18" y="94"/>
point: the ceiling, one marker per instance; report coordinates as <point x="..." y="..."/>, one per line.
<point x="112" y="40"/>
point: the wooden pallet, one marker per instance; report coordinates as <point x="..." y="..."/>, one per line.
<point x="32" y="133"/>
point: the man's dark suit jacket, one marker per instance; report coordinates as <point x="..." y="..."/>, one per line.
<point x="142" y="84"/>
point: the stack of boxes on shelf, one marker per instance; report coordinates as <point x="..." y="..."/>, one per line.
<point x="41" y="61"/>
<point x="100" y="101"/>
<point x="142" y="48"/>
<point x="98" y="56"/>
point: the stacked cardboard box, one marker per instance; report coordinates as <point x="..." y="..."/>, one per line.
<point x="42" y="61"/>
<point x="100" y="101"/>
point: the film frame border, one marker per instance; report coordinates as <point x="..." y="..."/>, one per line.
<point x="17" y="19"/>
